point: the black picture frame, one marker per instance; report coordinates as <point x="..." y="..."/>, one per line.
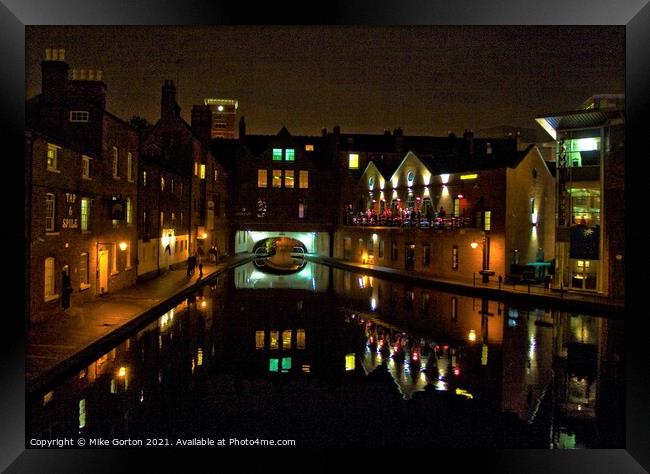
<point x="634" y="14"/>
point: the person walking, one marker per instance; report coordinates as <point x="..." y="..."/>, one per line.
<point x="200" y="267"/>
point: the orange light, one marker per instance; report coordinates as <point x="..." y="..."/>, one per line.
<point x="474" y="245"/>
<point x="123" y="246"/>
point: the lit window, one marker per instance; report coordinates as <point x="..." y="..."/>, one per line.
<point x="410" y="177"/>
<point x="79" y="115"/>
<point x="290" y="154"/>
<point x="304" y="179"/>
<point x="488" y="220"/>
<point x="144" y="178"/>
<point x="273" y="365"/>
<point x="162" y="183"/>
<point x="50" y="204"/>
<point x="84" y="281"/>
<point x="286" y="339"/>
<point x="300" y="338"/>
<point x="277" y="178"/>
<point x="353" y="161"/>
<point x="52" y="157"/>
<point x="277" y="154"/>
<point x="259" y="340"/>
<point x="309" y="147"/>
<point x="85" y="213"/>
<point x="196" y="169"/>
<point x="115" y="164"/>
<point x="129" y="211"/>
<point x="288" y="178"/>
<point x="129" y="166"/>
<point x="85" y="167"/>
<point x="262" y="178"/>
<point x="286" y="364"/>
<point x="202" y="172"/>
<point x="274" y="340"/>
<point x="49" y="277"/>
<point x="171" y="185"/>
<point x="216" y="174"/>
<point x="349" y="362"/>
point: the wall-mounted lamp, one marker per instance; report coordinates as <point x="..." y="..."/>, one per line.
<point x="123" y="246"/>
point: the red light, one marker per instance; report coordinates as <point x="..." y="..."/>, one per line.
<point x="446" y="347"/>
<point x="456" y="371"/>
<point x="415" y="356"/>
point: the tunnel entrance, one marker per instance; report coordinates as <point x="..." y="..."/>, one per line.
<point x="279" y="255"/>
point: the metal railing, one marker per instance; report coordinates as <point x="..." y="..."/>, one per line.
<point x="442" y="223"/>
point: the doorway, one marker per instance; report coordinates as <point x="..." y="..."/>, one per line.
<point x="103" y="271"/>
<point x="409" y="256"/>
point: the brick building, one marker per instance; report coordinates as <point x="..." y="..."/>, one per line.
<point x="81" y="168"/>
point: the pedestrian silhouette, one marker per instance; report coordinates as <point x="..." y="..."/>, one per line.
<point x="200" y="267"/>
<point x="66" y="289"/>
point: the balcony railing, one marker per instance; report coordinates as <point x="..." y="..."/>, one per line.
<point x="441" y="223"/>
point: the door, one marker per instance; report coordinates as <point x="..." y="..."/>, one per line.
<point x="409" y="255"/>
<point x="103" y="271"/>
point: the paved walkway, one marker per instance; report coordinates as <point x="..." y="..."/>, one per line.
<point x="533" y="293"/>
<point x="57" y="344"/>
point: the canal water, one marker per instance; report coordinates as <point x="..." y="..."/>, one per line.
<point x="328" y="357"/>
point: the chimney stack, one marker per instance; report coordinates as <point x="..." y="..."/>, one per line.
<point x="54" y="75"/>
<point x="168" y="106"/>
<point x="242" y="128"/>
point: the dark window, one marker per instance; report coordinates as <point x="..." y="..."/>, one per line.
<point x="393" y="251"/>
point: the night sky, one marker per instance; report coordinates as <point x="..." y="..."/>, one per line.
<point x="428" y="80"/>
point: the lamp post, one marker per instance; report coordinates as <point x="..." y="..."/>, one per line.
<point x="485" y="245"/>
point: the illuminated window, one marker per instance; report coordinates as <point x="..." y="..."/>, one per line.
<point x="277" y="178"/>
<point x="410" y="177"/>
<point x="274" y="340"/>
<point x="129" y="166"/>
<point x="85" y="213"/>
<point x="85" y="167"/>
<point x="300" y="338"/>
<point x="196" y="168"/>
<point x="286" y="339"/>
<point x="487" y="220"/>
<point x="288" y="179"/>
<point x="349" y="362"/>
<point x="290" y="154"/>
<point x="84" y="281"/>
<point x="259" y="340"/>
<point x="277" y="154"/>
<point x="353" y="161"/>
<point x="52" y="157"/>
<point x="304" y="179"/>
<point x="202" y="172"/>
<point x="309" y="147"/>
<point x="79" y="115"/>
<point x="49" y="277"/>
<point x="286" y="364"/>
<point x="216" y="174"/>
<point x="115" y="164"/>
<point x="273" y="365"/>
<point x="468" y="176"/>
<point x="50" y="205"/>
<point x="262" y="178"/>
<point x="144" y="178"/>
<point x="162" y="183"/>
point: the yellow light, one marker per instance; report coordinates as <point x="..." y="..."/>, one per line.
<point x="123" y="246"/>
<point x="426" y="177"/>
<point x="205" y="235"/>
<point x="374" y="237"/>
<point x="472" y="335"/>
<point x="426" y="192"/>
<point x="382" y="183"/>
<point x="349" y="362"/>
<point x="395" y="181"/>
<point x="199" y="357"/>
<point x="463" y="392"/>
<point x="122" y="372"/>
<point x="474" y="245"/>
<point x="444" y="178"/>
<point x="468" y="176"/>
<point x="309" y="147"/>
<point x="204" y="304"/>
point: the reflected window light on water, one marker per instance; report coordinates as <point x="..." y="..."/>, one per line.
<point x="82" y="413"/>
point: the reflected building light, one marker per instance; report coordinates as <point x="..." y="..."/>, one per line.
<point x="199" y="356"/>
<point x="82" y="413"/>
<point x="464" y="393"/>
<point x="141" y="396"/>
<point x="306" y="368"/>
<point x="373" y="304"/>
<point x="113" y="387"/>
<point x="193" y="365"/>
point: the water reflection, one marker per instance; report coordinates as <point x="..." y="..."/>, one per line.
<point x="330" y="357"/>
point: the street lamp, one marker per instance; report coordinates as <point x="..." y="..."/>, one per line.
<point x="485" y="244"/>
